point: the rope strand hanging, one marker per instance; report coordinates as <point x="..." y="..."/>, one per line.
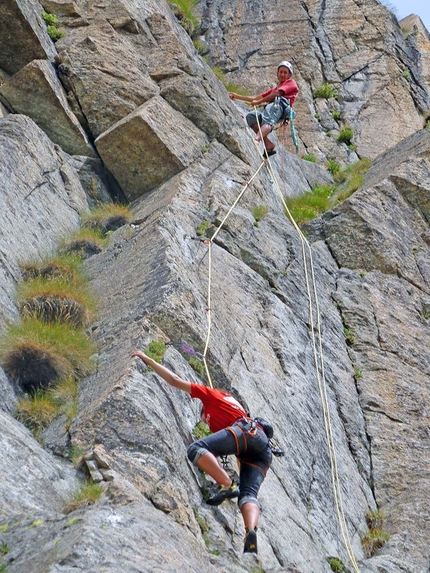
<point x="315" y="331"/>
<point x="319" y="364"/>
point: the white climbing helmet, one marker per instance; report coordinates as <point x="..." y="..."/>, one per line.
<point x="286" y="64"/>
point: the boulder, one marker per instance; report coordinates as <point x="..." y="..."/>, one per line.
<point x="29" y="38"/>
<point x="149" y="146"/>
<point x="37" y="92"/>
<point x="107" y="73"/>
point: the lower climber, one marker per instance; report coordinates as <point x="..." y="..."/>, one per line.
<point x="276" y="100"/>
<point x="233" y="433"/>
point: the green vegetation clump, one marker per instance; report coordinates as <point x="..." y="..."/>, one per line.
<point x="56" y="299"/>
<point x="198" y="365"/>
<point x="349" y="335"/>
<point x="325" y="91"/>
<point x="55" y="33"/>
<point x="202" y="228"/>
<point x="311" y="204"/>
<point x="350" y="179"/>
<point x="51" y="25"/>
<point x="183" y="10"/>
<point x="107" y="217"/>
<point x="345" y="135"/>
<point x="200" y="46"/>
<point x="86" y="495"/>
<point x="259" y="212"/>
<point x="336" y="565"/>
<point x="336" y="115"/>
<point x="50" y="19"/>
<point x="61" y="266"/>
<point x="84" y="243"/>
<point x="201" y="430"/>
<point x="39" y="409"/>
<point x="156" y="350"/>
<point x="309" y="157"/>
<point x="229" y="86"/>
<point x="37" y="354"/>
<point x="323" y="197"/>
<point x="333" y="166"/>
<point x="376" y="537"/>
<point x="407" y="74"/>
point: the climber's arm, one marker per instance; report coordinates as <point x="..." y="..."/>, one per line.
<point x="167" y="375"/>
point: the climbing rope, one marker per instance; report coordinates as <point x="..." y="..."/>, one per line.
<point x="315" y="330"/>
<point x="319" y="363"/>
<point x="209" y="242"/>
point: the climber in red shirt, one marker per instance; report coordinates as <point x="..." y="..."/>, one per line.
<point x="233" y="433"/>
<point x="278" y="102"/>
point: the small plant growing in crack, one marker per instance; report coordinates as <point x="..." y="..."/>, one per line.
<point x="349" y="335"/>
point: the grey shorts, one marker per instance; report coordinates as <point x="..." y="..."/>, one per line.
<point x="271" y="114"/>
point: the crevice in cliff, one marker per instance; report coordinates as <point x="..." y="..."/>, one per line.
<point x="319" y="54"/>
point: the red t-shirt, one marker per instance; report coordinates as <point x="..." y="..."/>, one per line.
<point x="221" y="409"/>
<point x="288" y="88"/>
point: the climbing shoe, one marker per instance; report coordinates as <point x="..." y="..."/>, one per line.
<point x="223" y="494"/>
<point x="268" y="153"/>
<point x="250" y="542"/>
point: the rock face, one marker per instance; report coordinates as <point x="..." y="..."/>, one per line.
<point x="41" y="201"/>
<point x="157" y="139"/>
<point x="339" y="314"/>
<point x="29" y="40"/>
<point x="36" y="91"/>
<point x="381" y="78"/>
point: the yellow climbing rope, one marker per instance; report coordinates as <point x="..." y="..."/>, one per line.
<point x="209" y="243"/>
<point x="319" y="367"/>
<point x="315" y="331"/>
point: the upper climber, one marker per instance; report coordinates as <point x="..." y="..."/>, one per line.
<point x="279" y="99"/>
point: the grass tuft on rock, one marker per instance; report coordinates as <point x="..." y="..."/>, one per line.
<point x="310" y="205"/>
<point x="346" y="135"/>
<point x="325" y="91"/>
<point x="229" y="86"/>
<point x="183" y="10"/>
<point x="56" y="299"/>
<point x="66" y="267"/>
<point x="85" y="496"/>
<point x="84" y="243"/>
<point x="36" y="354"/>
<point x="336" y="565"/>
<point x="40" y="408"/>
<point x="201" y="430"/>
<point x="37" y="411"/>
<point x="197" y="365"/>
<point x="324" y="197"/>
<point x="259" y="212"/>
<point x="156" y="350"/>
<point x="107" y="217"/>
<point x="373" y="540"/>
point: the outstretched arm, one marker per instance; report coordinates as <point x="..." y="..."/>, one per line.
<point x="240" y="97"/>
<point x="167" y="375"/>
